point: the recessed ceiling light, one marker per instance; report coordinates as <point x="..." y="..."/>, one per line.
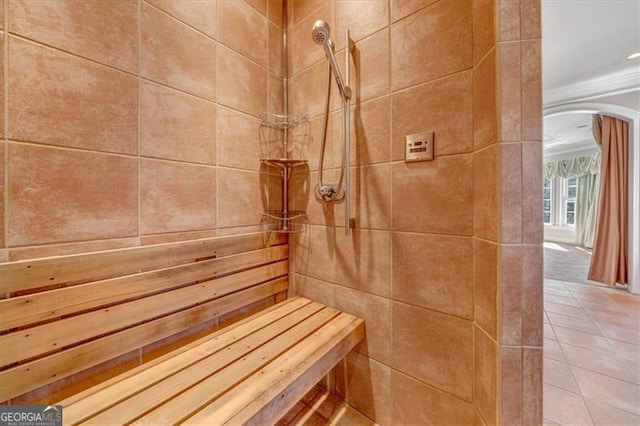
<point x="634" y="55"/>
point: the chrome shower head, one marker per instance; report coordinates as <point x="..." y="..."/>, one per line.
<point x="320" y="32"/>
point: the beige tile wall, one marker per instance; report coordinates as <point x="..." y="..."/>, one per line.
<point x="130" y="122"/>
<point x="133" y="122"/>
<point x="445" y="263"/>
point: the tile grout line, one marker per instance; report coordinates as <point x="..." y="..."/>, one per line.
<point x="5" y="118"/>
<point x="571" y="366"/>
<point x="139" y="133"/>
<point x="573" y="376"/>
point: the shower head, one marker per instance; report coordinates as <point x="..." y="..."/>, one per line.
<point x="320" y="32"/>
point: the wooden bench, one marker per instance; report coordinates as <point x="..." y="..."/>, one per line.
<point x="101" y="312"/>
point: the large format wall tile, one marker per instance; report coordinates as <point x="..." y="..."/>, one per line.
<point x="510" y="279"/>
<point x="172" y="204"/>
<point x="433" y="347"/>
<point x="275" y="92"/>
<point x="242" y="84"/>
<point x="315" y="253"/>
<point x="370" y="197"/>
<point x="303" y="51"/>
<point x="441" y="196"/>
<point x="106" y="32"/>
<point x="532" y="228"/>
<point x="238" y="195"/>
<point x="433" y="271"/>
<point x="403" y="8"/>
<point x="300" y="9"/>
<point x="486" y="286"/>
<point x="510" y="229"/>
<point x="308" y="89"/>
<point x="275" y="59"/>
<point x="274" y="11"/>
<point x="370" y="67"/>
<point x="366" y="386"/>
<point x="176" y="55"/>
<point x="59" y="99"/>
<point x="331" y="147"/>
<point x="362" y="261"/>
<point x="486" y="371"/>
<point x="261" y="6"/>
<point x="243" y="29"/>
<point x="510" y="388"/>
<point x="238" y="140"/>
<point x="485" y="193"/>
<point x="176" y="126"/>
<point x="508" y="20"/>
<point x="431" y="43"/>
<point x="483" y="29"/>
<point x="369" y="133"/>
<point x="201" y="15"/>
<point x="484" y="102"/>
<point x="314" y="289"/>
<point x="361" y="18"/>
<point x="532" y="386"/>
<point x="376" y="312"/>
<point x="57" y="195"/>
<point x="532" y="276"/>
<point x="415" y="403"/>
<point x="531" y="90"/>
<point x="509" y="93"/>
<point x="444" y="107"/>
<point x="530" y="15"/>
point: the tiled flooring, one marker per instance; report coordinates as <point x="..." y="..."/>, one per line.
<point x="591" y="355"/>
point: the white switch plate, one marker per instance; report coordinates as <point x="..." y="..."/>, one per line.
<point x="419" y="147"/>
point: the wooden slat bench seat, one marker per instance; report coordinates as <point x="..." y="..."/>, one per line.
<point x="64" y="318"/>
<point x="252" y="372"/>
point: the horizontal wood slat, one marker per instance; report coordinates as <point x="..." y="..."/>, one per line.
<point x="25" y="344"/>
<point x="280" y="397"/>
<point x="34" y="374"/>
<point x="38" y="307"/>
<point x="254" y="370"/>
<point x="216" y="373"/>
<point x="287" y="364"/>
<point x="145" y="379"/>
<point x="27" y="275"/>
<point x="62" y="316"/>
<point x="223" y="337"/>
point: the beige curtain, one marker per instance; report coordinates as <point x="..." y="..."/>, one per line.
<point x="610" y="258"/>
<point x="587" y="209"/>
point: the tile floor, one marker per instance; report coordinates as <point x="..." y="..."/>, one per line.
<point x="591" y="355"/>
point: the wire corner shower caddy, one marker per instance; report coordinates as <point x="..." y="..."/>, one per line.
<point x="284" y="141"/>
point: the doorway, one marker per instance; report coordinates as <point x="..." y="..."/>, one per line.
<point x="560" y="225"/>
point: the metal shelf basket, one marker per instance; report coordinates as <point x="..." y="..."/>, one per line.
<point x="284" y="137"/>
<point x="286" y="222"/>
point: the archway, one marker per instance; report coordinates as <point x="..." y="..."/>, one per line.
<point x="633" y="118"/>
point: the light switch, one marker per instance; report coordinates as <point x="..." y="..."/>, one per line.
<point x="419" y="147"/>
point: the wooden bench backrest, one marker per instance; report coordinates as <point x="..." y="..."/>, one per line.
<point x="62" y="315"/>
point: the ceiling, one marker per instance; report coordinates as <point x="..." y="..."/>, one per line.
<point x="584" y="48"/>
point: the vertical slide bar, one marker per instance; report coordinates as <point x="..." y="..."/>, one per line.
<point x="346" y="135"/>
